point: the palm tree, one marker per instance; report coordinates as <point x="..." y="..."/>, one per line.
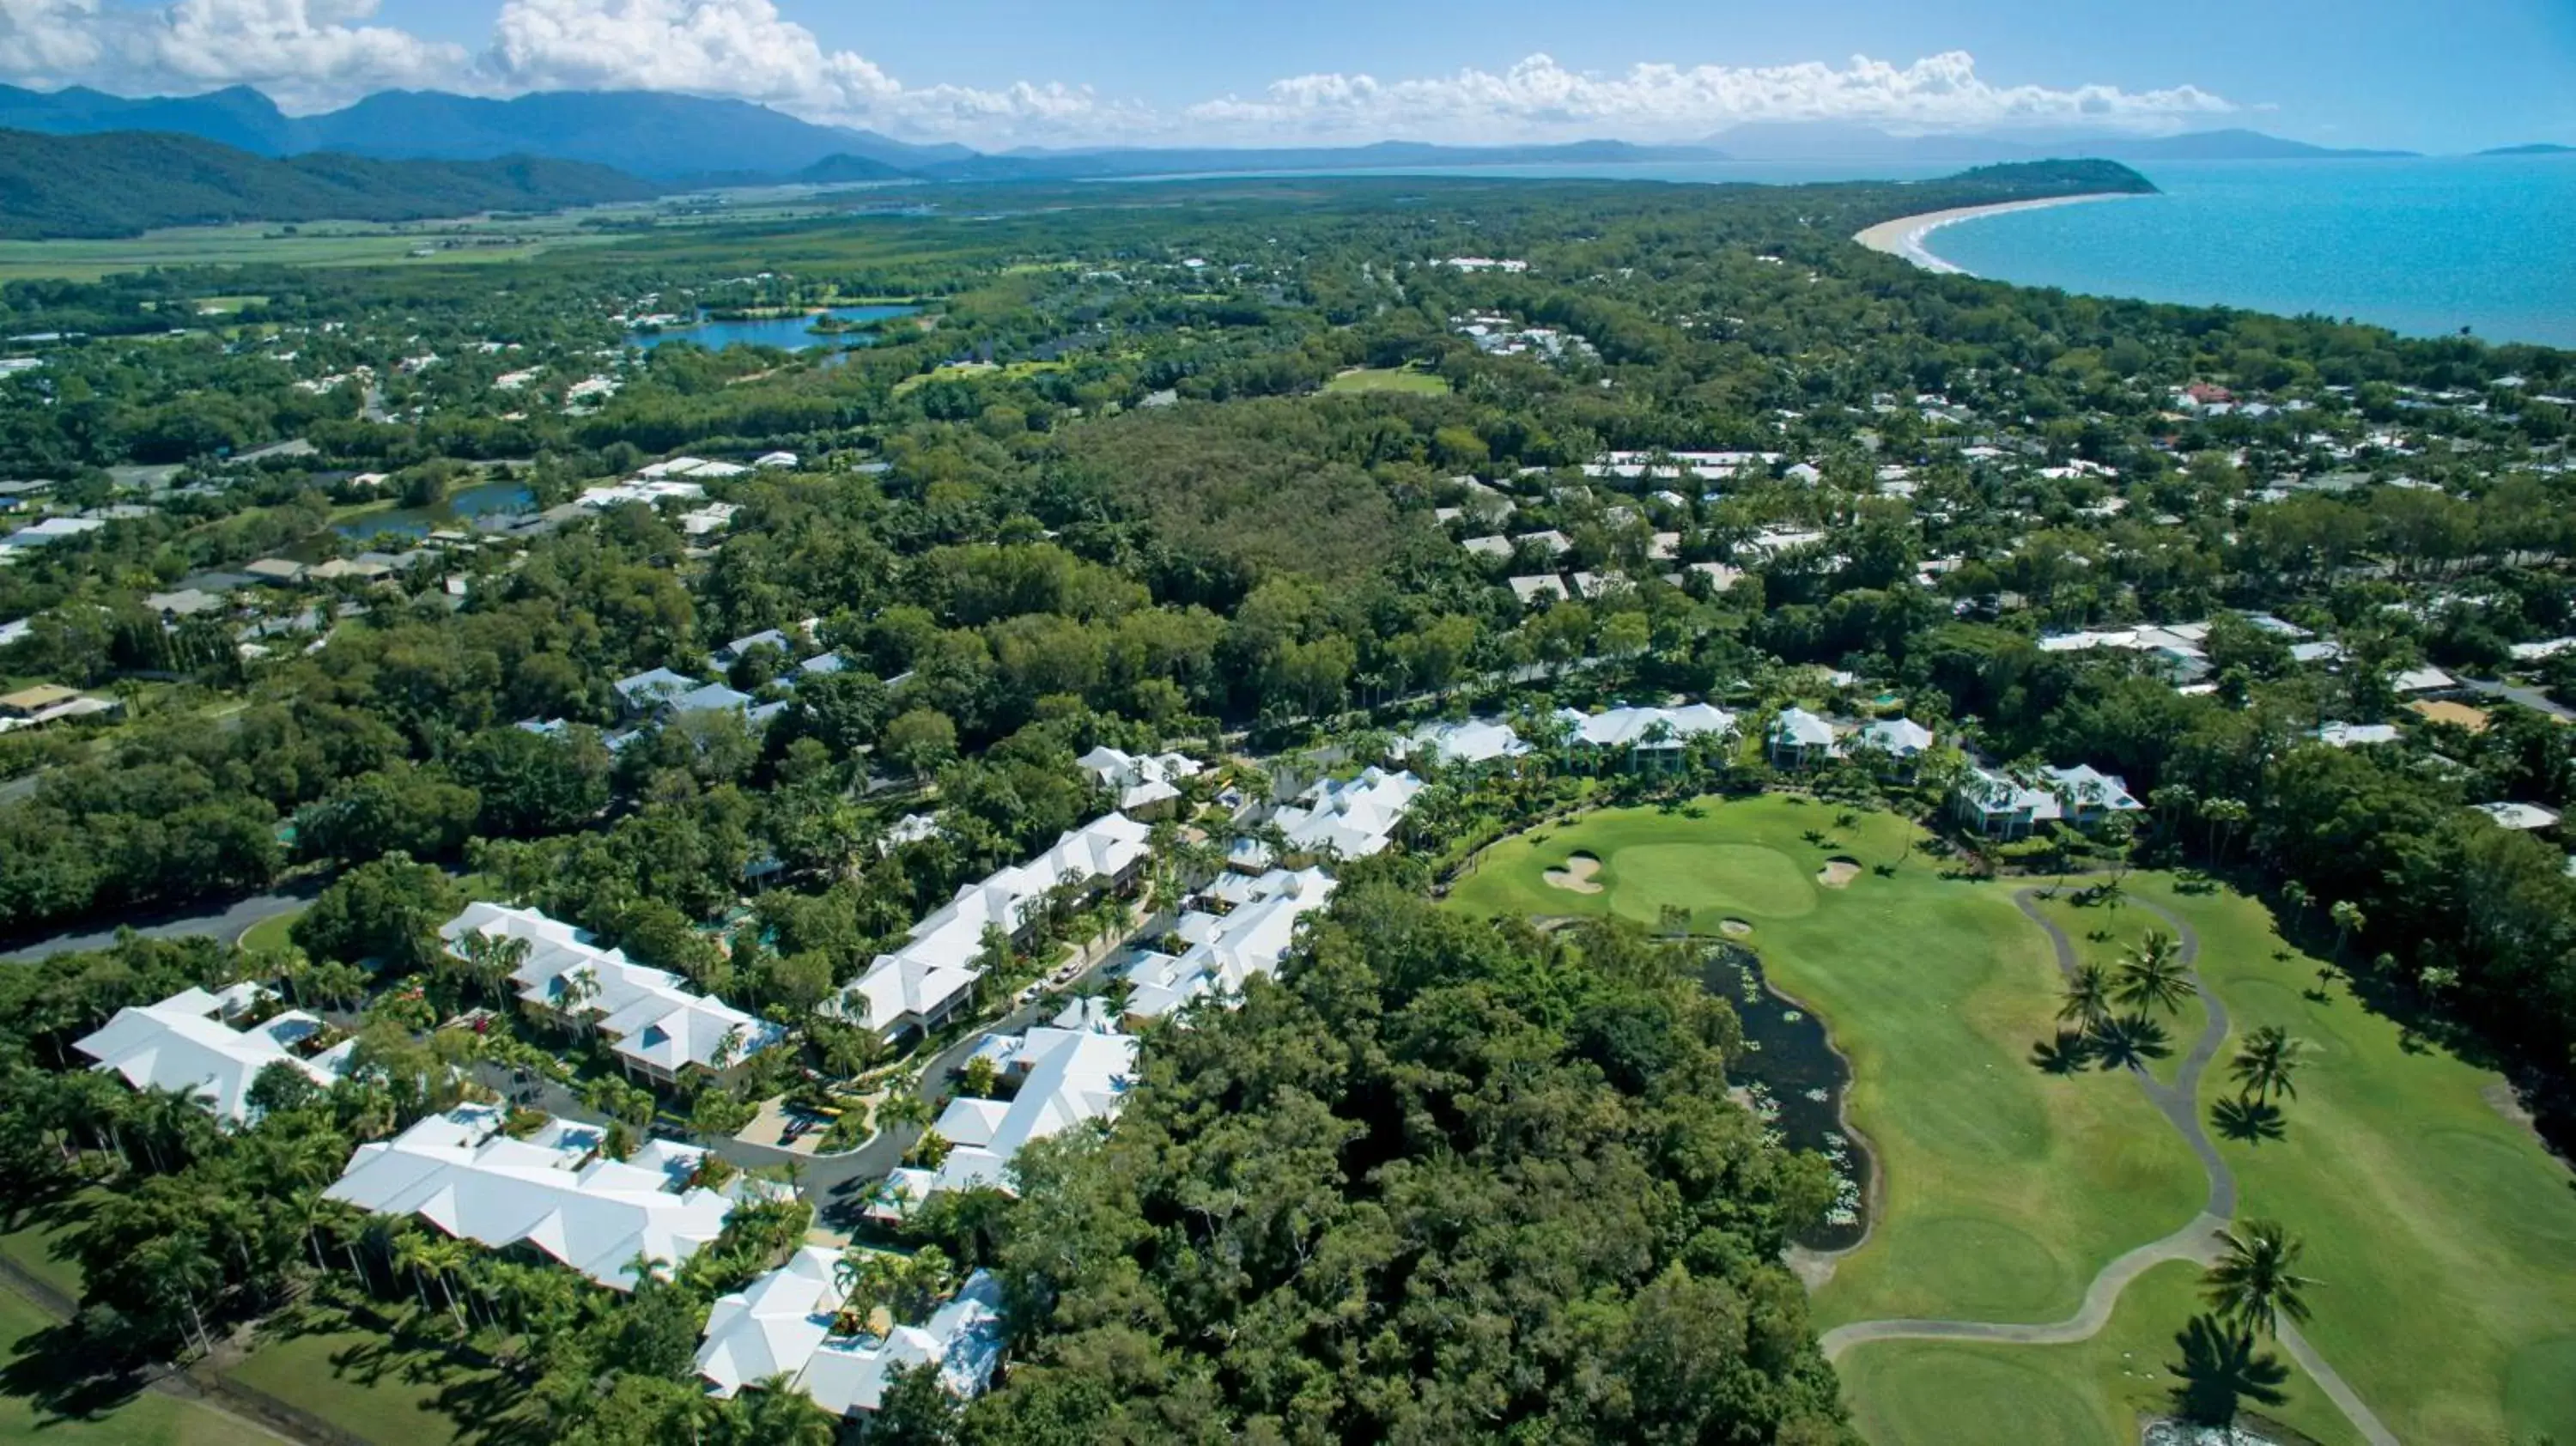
<point x="2088" y="997"/>
<point x="2128" y="1042"/>
<point x="2266" y="1061"/>
<point x="2348" y="921"/>
<point x="2152" y="974"/>
<point x="2253" y="1282"/>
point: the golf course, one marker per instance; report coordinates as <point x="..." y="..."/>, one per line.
<point x="2440" y="1233"/>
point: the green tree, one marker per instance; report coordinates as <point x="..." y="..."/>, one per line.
<point x="2267" y="1063"/>
<point x="2152" y="974"/>
<point x="389" y="910"/>
<point x="2255" y="1280"/>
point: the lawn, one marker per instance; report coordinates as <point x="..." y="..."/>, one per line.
<point x="368" y="1385"/>
<point x="1389" y="379"/>
<point x="143" y="1419"/>
<point x="2004" y="1189"/>
<point x="271" y="933"/>
<point x="1953" y="1393"/>
<point x="2104" y="936"/>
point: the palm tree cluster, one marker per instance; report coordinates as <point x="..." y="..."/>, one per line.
<point x="2151" y="978"/>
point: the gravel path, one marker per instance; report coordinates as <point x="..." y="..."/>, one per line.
<point x="2198" y="1241"/>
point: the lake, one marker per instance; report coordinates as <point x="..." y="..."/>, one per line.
<point x="1793" y="1080"/>
<point x="462" y="506"/>
<point x="786" y="333"/>
<point x="2421" y="246"/>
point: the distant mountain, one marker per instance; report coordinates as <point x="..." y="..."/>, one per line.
<point x="124" y="183"/>
<point x="844" y="169"/>
<point x="1093" y="164"/>
<point x="643" y="133"/>
<point x="1822" y="141"/>
<point x="2536" y="148"/>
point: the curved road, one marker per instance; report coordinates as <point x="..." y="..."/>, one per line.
<point x="2198" y="1241"/>
<point x="226" y="924"/>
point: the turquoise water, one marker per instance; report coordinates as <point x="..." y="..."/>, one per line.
<point x="791" y="333"/>
<point x="2423" y="247"/>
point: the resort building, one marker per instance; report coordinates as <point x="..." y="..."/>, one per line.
<point x="1348" y="818"/>
<point x="1147" y="787"/>
<point x="553" y="1190"/>
<point x="658" y="1025"/>
<point x="1223" y="950"/>
<point x="921" y="984"/>
<point x="212" y="1047"/>
<point x="1066" y="1077"/>
<point x="1901" y="741"/>
<point x="1471" y="744"/>
<point x="1649" y="738"/>
<point x="1999" y="805"/>
<point x="1800" y="739"/>
<point x="785" y="1325"/>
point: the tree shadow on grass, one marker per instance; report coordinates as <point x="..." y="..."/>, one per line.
<point x="2247" y="1121"/>
<point x="2129" y="1042"/>
<point x="2220" y="1370"/>
<point x="64" y="1373"/>
<point x="2070" y="1053"/>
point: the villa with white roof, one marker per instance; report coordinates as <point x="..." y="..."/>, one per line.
<point x="1999" y="805"/>
<point x="782" y="1325"/>
<point x="1471" y="744"/>
<point x="921" y="984"/>
<point x="1349" y="818"/>
<point x="1067" y="1078"/>
<point x="1224" y="950"/>
<point x="187" y="1043"/>
<point x="1650" y="737"/>
<point x="1147" y="786"/>
<point x="659" y="1026"/>
<point x="554" y="1190"/>
<point x="1800" y="739"/>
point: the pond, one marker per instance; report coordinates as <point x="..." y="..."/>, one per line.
<point x="1792" y="1078"/>
<point x="786" y="333"/>
<point x="461" y="507"/>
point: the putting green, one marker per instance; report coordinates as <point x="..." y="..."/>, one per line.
<point x="1738" y="878"/>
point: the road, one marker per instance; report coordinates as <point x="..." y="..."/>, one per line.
<point x="2532" y="698"/>
<point x="225" y="924"/>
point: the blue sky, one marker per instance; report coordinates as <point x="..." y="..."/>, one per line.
<point x="2428" y="74"/>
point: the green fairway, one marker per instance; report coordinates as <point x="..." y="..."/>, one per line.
<point x="1953" y="1393"/>
<point x="1388" y="379"/>
<point x="2104" y="935"/>
<point x="2445" y="1237"/>
<point x="2004" y="1189"/>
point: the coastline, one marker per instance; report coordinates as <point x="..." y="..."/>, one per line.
<point x="1904" y="236"/>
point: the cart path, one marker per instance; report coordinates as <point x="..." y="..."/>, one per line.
<point x="2197" y="1242"/>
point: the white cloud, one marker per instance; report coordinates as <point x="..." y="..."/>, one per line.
<point x="311" y="54"/>
<point x="305" y="53"/>
<point x="745" y="48"/>
<point x="1539" y="98"/>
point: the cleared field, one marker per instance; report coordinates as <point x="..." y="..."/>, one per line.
<point x="1384" y="379"/>
<point x="255" y="246"/>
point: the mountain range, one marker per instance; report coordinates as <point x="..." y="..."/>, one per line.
<point x="690" y="141"/>
<point x="128" y="182"/>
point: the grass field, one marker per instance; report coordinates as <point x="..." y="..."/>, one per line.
<point x="2443" y="1236"/>
<point x="144" y="1419"/>
<point x="366" y="1385"/>
<point x="2005" y="1190"/>
<point x="1388" y="379"/>
<point x="271" y="934"/>
<point x="1953" y="1393"/>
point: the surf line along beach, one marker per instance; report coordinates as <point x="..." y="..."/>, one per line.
<point x="1903" y="237"/>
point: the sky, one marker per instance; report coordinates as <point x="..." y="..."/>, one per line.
<point x="2438" y="75"/>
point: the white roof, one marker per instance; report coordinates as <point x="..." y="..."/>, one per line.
<point x="2349" y="735"/>
<point x="1531" y="589"/>
<point x="2535" y="652"/>
<point x="1074" y="1076"/>
<point x="781" y="1325"/>
<point x="963" y="1338"/>
<point x="938" y="962"/>
<point x="1226" y="950"/>
<point x="2519" y="815"/>
<point x="2424" y="680"/>
<point x="1140" y="781"/>
<point x="2084" y="784"/>
<point x="183" y="1043"/>
<point x="1630" y="727"/>
<point x="553" y="1190"/>
<point x="1901" y="737"/>
<point x="652" y="1015"/>
<point x="1478" y="740"/>
<point x="1804" y="729"/>
<point x="1354" y="818"/>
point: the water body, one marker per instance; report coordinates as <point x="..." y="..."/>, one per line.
<point x="2423" y="246"/>
<point x="1792" y="1078"/>
<point x="461" y="507"/>
<point x="786" y="333"/>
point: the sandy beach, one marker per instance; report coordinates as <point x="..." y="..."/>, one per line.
<point x="1904" y="235"/>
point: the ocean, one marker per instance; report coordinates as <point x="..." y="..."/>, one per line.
<point x="2423" y="247"/>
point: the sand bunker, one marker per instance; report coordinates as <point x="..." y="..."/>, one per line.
<point x="1838" y="873"/>
<point x="1577" y="875"/>
<point x="1734" y="928"/>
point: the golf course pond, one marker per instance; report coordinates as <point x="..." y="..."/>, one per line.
<point x="1791" y="1077"/>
